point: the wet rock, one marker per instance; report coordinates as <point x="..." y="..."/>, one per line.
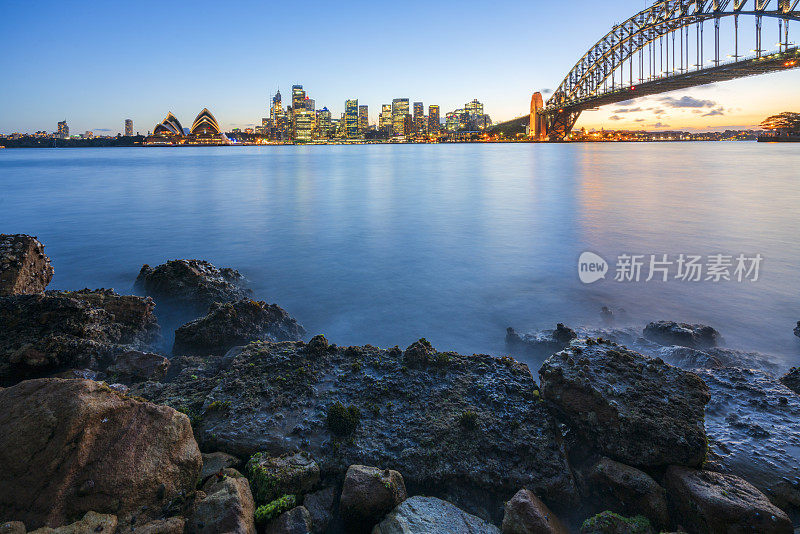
<point x="634" y="409"/>
<point x="230" y="324"/>
<point x="696" y="336"/>
<point x="54" y="330"/>
<point x="227" y="506"/>
<point x="715" y="358"/>
<point x="170" y="525"/>
<point x="526" y="514"/>
<point x="368" y="494"/>
<point x="708" y="502"/>
<point x="191" y="285"/>
<point x="612" y="523"/>
<point x="797" y="329"/>
<point x="12" y="527"/>
<point x="90" y="523"/>
<point x="70" y="446"/>
<point x="295" y="521"/>
<point x="273" y="476"/>
<point x="138" y="366"/>
<point x="541" y="343"/>
<point x="217" y="462"/>
<point x="320" y="505"/>
<point x="423" y="515"/>
<point x="792" y="379"/>
<point x="24" y="267"/>
<point x="616" y="486"/>
<point x="752" y="428"/>
<point x="411" y="417"/>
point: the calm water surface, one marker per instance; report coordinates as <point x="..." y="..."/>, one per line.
<point x="385" y="244"/>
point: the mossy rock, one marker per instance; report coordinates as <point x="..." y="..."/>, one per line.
<point x="612" y="523"/>
<point x="273" y="476"/>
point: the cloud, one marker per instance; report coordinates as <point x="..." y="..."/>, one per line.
<point x="658" y="111"/>
<point x="546" y="91"/>
<point x="686" y="102"/>
<point x="101" y="129"/>
<point x="626" y="110"/>
<point x="615" y="118"/>
<point x="714" y="112"/>
<point x="661" y="125"/>
<point x="639" y="120"/>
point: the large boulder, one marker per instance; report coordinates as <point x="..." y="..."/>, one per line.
<point x="714" y="503"/>
<point x="470" y="428"/>
<point x="320" y="505"/>
<point x="423" y="515"/>
<point x="634" y="409"/>
<point x="526" y="514"/>
<point x="613" y="523"/>
<point x="229" y="324"/>
<point x="55" y="330"/>
<point x="752" y="429"/>
<point x="368" y="494"/>
<point x="190" y="285"/>
<point x="295" y="521"/>
<point x="227" y="506"/>
<point x="696" y="336"/>
<point x="71" y="446"/>
<point x="625" y="489"/>
<point x="274" y="476"/>
<point x="217" y="462"/>
<point x="24" y="267"/>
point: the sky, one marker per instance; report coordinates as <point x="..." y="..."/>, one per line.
<point x="98" y="63"/>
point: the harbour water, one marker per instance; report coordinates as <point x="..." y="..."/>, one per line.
<point x="384" y="244"/>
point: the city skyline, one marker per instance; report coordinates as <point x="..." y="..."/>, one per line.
<point x="96" y="86"/>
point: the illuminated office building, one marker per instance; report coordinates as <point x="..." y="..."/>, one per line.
<point x="324" y="124"/>
<point x="385" y="118"/>
<point x="474" y="108"/>
<point x="304" y="123"/>
<point x="434" y="124"/>
<point x="399" y="112"/>
<point x="363" y="118"/>
<point x="419" y="118"/>
<point x="298" y="97"/>
<point x="128" y="128"/>
<point x="351" y="118"/>
<point x="63" y="129"/>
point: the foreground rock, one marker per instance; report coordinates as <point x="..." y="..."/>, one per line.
<point x="231" y="324"/>
<point x="612" y="523"/>
<point x="320" y="505"/>
<point x="274" y="476"/>
<point x="423" y="515"/>
<point x="526" y="514"/>
<point x="72" y="446"/>
<point x="368" y="494"/>
<point x="191" y="285"/>
<point x="56" y="330"/>
<point x="470" y="428"/>
<point x="797" y="329"/>
<point x="634" y="409"/>
<point x="227" y="506"/>
<point x="752" y="428"/>
<point x="541" y="343"/>
<point x="616" y="486"/>
<point x="708" y="502"/>
<point x="696" y="336"/>
<point x="295" y="521"/>
<point x="91" y="522"/>
<point x="24" y="267"/>
<point x="215" y="463"/>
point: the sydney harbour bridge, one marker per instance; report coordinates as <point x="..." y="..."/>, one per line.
<point x="673" y="44"/>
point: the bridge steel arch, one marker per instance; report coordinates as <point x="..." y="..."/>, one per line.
<point x="587" y="84"/>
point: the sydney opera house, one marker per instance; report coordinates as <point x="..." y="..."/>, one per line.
<point x="204" y="131"/>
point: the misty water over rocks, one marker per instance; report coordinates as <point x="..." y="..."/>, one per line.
<point x="385" y="244"/>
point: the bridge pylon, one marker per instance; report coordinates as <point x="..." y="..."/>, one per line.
<point x="538" y="123"/>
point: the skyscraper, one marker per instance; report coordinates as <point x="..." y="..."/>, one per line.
<point x="419" y="118"/>
<point x="399" y="112"/>
<point x="351" y="117"/>
<point x="474" y="107"/>
<point x="128" y="128"/>
<point x="304" y="123"/>
<point x="298" y="98"/>
<point x="63" y="129"/>
<point x="310" y="104"/>
<point x="324" y="124"/>
<point x="434" y="124"/>
<point x="385" y="119"/>
<point x="363" y="118"/>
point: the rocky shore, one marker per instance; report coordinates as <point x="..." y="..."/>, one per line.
<point x="249" y="425"/>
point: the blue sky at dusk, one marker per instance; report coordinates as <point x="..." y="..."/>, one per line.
<point x="97" y="63"/>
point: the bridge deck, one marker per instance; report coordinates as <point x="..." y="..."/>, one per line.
<point x="789" y="59"/>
